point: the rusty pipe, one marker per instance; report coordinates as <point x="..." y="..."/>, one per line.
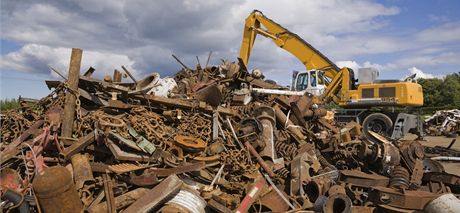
<point x="315" y="112"/>
<point x="259" y="159"/>
<point x="266" y="116"/>
<point x="285" y="122"/>
<point x="337" y="203"/>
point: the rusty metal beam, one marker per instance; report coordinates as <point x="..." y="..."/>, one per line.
<point x="79" y="145"/>
<point x="362" y="179"/>
<point x="161" y="172"/>
<point x="416" y="200"/>
<point x="108" y="191"/>
<point x="150" y="177"/>
<point x="121" y="201"/>
<point x="156" y="196"/>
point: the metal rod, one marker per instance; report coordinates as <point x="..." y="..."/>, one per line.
<point x="180" y="62"/>
<point x="234" y="134"/>
<point x="59" y="73"/>
<point x="135" y="83"/>
<point x="207" y="61"/>
<point x="259" y="159"/>
<point x="446" y="158"/>
<point x="278" y="191"/>
<point x="198" y="60"/>
<point x="129" y="74"/>
<point x="451" y="143"/>
<point x="217" y="177"/>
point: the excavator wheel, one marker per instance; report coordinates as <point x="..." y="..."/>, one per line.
<point x="379" y="123"/>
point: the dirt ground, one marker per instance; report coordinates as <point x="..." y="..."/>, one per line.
<point x="432" y="141"/>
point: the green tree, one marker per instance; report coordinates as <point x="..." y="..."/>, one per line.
<point x="431" y="92"/>
<point x="442" y="93"/>
<point x="450" y="90"/>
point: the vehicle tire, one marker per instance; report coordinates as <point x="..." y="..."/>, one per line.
<point x="432" y="166"/>
<point x="379" y="123"/>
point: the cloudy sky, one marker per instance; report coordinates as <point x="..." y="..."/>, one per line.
<point x="398" y="37"/>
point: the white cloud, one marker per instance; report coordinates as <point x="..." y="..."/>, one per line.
<point x="143" y="34"/>
<point x="143" y="30"/>
<point x="355" y="65"/>
<point x="449" y="32"/>
<point x="36" y="58"/>
<point x="433" y="59"/>
<point x="437" y="18"/>
<point x="350" y="64"/>
<point x="420" y="74"/>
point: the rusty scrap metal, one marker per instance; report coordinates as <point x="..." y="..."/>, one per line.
<point x="259" y="159"/>
<point x="121" y="201"/>
<point x="200" y="143"/>
<point x="446" y="122"/>
<point x="81" y="170"/>
<point x="416" y="200"/>
<point x="157" y="195"/>
<point x="56" y="191"/>
<point x="108" y="191"/>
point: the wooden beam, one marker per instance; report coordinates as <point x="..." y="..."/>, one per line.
<point x="70" y="99"/>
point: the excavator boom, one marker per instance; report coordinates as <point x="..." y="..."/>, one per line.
<point x="306" y="53"/>
<point x="256" y="23"/>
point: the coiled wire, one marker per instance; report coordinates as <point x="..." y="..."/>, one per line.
<point x="188" y="200"/>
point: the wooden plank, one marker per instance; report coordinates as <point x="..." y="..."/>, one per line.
<point x="70" y="100"/>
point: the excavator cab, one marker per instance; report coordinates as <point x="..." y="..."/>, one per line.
<point x="309" y="81"/>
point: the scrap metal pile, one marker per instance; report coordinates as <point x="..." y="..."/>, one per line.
<point x="445" y="122"/>
<point x="204" y="142"/>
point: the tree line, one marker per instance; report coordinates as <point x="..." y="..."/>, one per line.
<point x="7" y="104"/>
<point x="441" y="93"/>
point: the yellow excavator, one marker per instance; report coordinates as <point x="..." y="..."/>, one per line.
<point x="360" y="98"/>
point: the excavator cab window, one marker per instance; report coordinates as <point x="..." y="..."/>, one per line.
<point x="313" y="78"/>
<point x="302" y="81"/>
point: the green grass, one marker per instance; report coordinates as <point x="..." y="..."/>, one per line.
<point x="8" y="104"/>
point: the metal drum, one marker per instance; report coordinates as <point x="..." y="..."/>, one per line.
<point x="56" y="191"/>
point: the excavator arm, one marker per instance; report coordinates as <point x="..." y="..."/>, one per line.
<point x="306" y="53"/>
<point x="256" y="23"/>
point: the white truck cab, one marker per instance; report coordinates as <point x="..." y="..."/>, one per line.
<point x="308" y="81"/>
